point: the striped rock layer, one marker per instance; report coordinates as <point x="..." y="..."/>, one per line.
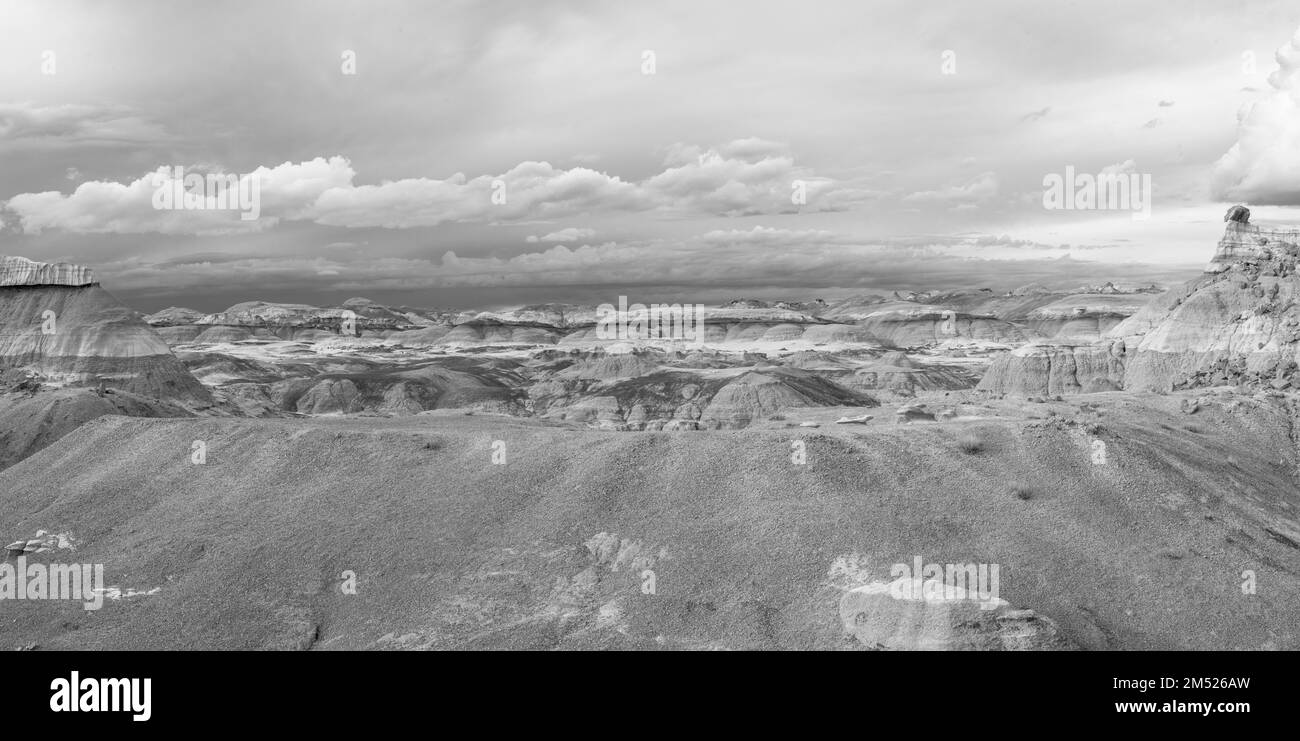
<point x="57" y="322"/>
<point x="19" y="271"/>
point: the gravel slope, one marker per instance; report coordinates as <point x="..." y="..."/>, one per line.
<point x="747" y="549"/>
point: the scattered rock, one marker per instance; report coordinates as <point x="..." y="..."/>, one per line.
<point x="909" y="614"/>
<point x="912" y="413"/>
<point x="26" y="546"/>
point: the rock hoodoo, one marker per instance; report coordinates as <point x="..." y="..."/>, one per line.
<point x="1239" y="214"/>
<point x="1244" y="242"/>
<point x="1239" y="323"/>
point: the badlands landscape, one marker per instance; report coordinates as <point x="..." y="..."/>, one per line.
<point x="364" y="476"/>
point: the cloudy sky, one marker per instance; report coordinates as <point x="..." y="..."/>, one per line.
<point x="690" y="150"/>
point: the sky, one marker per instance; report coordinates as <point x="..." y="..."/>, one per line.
<point x="488" y="154"/>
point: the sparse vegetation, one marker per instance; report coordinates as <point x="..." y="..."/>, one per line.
<point x="433" y="445"/>
<point x="970" y="443"/>
<point x="1022" y="491"/>
<point x="777" y="418"/>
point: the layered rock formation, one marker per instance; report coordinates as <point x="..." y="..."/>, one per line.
<point x="761" y="393"/>
<point x="19" y="271"/>
<point x="1244" y="242"/>
<point x="897" y="374"/>
<point x="263" y="320"/>
<point x="398" y="392"/>
<point x="550" y="359"/>
<point x="1084" y="318"/>
<point x="490" y="332"/>
<point x="70" y="331"/>
<point x="1243" y="321"/>
<point x="910" y="325"/>
<point x="1057" y="368"/>
<point x="1024" y="306"/>
<point x="645" y="392"/>
<point x="919" y="320"/>
<point x="1239" y="323"/>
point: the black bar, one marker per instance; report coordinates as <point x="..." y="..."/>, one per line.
<point x="994" y="692"/>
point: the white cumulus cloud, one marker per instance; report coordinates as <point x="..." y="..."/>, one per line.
<point x="571" y="234"/>
<point x="1262" y="166"/>
<point x="746" y="176"/>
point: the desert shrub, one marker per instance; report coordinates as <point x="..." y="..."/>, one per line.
<point x="433" y="445"/>
<point x="777" y="418"/>
<point x="1022" y="491"/>
<point x="970" y="443"/>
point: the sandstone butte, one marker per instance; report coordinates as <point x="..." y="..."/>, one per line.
<point x="58" y="324"/>
<point x="1238" y="323"/>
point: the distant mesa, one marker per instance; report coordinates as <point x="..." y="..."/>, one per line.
<point x="58" y="323"/>
<point x="19" y="271"/>
<point x="174" y="315"/>
<point x="757" y="359"/>
<point x="1031" y="289"/>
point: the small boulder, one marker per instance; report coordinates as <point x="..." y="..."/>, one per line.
<point x="912" y="413"/>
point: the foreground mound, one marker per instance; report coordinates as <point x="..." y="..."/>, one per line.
<point x="492" y="532"/>
<point x="35" y="420"/>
